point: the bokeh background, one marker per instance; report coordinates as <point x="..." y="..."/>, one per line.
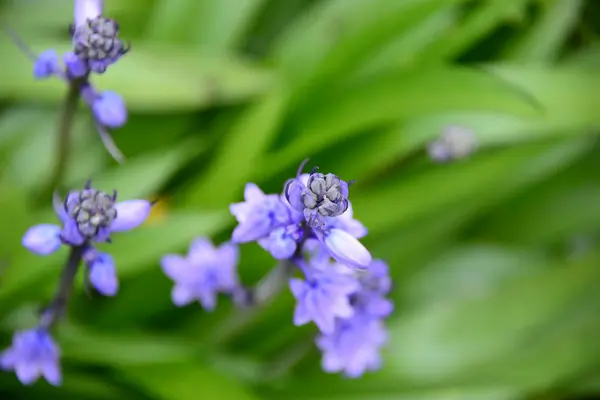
<point x="496" y="258"/>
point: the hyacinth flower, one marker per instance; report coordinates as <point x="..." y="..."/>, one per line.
<point x="87" y="216"/>
<point x="95" y="46"/>
<point x="454" y="143"/>
<point x="311" y="231"/>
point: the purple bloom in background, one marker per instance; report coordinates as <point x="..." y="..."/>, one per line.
<point x="258" y="215"/>
<point x="33" y="354"/>
<point x="353" y="348"/>
<point x="323" y="297"/>
<point x="206" y="271"/>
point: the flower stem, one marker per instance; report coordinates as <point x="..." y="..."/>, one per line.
<point x="63" y="144"/>
<point x="58" y="306"/>
<point x="269" y="286"/>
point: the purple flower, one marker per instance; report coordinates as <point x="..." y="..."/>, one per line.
<point x="353" y="348"/>
<point x="317" y="196"/>
<point x="96" y="38"/>
<point x="258" y="215"/>
<point x="455" y="142"/>
<point x="345" y="248"/>
<point x="282" y="243"/>
<point x="109" y="109"/>
<point x="375" y="284"/>
<point x="33" y="354"/>
<point x="46" y="65"/>
<point x="102" y="272"/>
<point x="86" y="10"/>
<point x="323" y="297"/>
<point x="87" y="215"/>
<point x="204" y="273"/>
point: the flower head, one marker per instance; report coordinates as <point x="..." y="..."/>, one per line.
<point x="353" y="348"/>
<point x="33" y="354"/>
<point x="455" y="142"/>
<point x="258" y="215"/>
<point x="205" y="272"/>
<point x="317" y="196"/>
<point x="323" y="297"/>
<point x="96" y="43"/>
<point x="86" y="215"/>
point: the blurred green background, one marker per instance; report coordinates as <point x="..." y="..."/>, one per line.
<point x="496" y="258"/>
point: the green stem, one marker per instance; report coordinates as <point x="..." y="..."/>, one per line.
<point x="63" y="144"/>
<point x="59" y="304"/>
<point x="265" y="291"/>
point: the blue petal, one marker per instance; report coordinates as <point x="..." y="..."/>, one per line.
<point x="42" y="239"/>
<point x="109" y="109"/>
<point x="130" y="214"/>
<point x="75" y="66"/>
<point x="87" y="9"/>
<point x="346" y="249"/>
<point x="46" y="64"/>
<point x="103" y="275"/>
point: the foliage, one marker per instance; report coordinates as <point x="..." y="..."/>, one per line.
<point x="496" y="258"/>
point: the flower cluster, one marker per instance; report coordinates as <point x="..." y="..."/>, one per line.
<point x="311" y="227"/>
<point x="96" y="46"/>
<point x="86" y="216"/>
<point x="455" y="143"/>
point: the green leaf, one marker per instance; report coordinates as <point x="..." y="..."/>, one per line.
<point x="478" y="23"/>
<point x="337" y="35"/>
<point x="485" y="175"/>
<point x="223" y="22"/>
<point x="120" y="350"/>
<point x="544" y="41"/>
<point x="142" y="176"/>
<point x="391" y="97"/>
<point x="180" y="79"/>
<point x="185" y="381"/>
<point x="455" y="339"/>
<point x="242" y="148"/>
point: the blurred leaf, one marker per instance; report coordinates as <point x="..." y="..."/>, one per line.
<point x="185" y="381"/>
<point x="546" y="37"/>
<point x="122" y="349"/>
<point x="460" y="182"/>
<point x="223" y="22"/>
<point x="144" y="175"/>
<point x="242" y="148"/>
<point x="479" y="23"/>
<point x="389" y="98"/>
<point x="335" y="36"/>
<point x="550" y="215"/>
<point x="179" y="78"/>
<point x="453" y="338"/>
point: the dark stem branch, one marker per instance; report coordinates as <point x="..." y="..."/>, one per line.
<point x="58" y="306"/>
<point x="63" y="143"/>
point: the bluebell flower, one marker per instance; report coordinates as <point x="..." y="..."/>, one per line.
<point x="96" y="38"/>
<point x="33" y="354"/>
<point x="96" y="46"/>
<point x="323" y="297"/>
<point x="89" y="216"/>
<point x="258" y="215"/>
<point x="454" y="143"/>
<point x="354" y="346"/>
<point x="205" y="272"/>
<point x="311" y="230"/>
